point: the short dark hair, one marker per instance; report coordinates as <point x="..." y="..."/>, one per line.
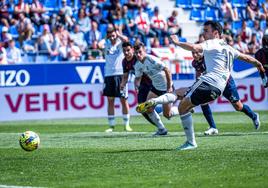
<point x="110" y="29"/>
<point x="214" y="25"/>
<point x="138" y="45"/>
<point x="126" y="44"/>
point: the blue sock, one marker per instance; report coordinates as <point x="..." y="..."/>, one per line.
<point x="158" y="109"/>
<point x="247" y="110"/>
<point x="208" y="115"/>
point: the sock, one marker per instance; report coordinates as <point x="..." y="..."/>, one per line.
<point x="174" y="111"/>
<point x="187" y="123"/>
<point x="158" y="109"/>
<point x="156" y="119"/>
<point x="165" y="99"/>
<point x="208" y="115"/>
<point x="126" y="118"/>
<point x="111" y="120"/>
<point x="247" y="110"/>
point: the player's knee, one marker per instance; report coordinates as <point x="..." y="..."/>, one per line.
<point x="238" y="106"/>
<point x="167" y="115"/>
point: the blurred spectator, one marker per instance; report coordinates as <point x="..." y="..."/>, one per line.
<point x="159" y="24"/>
<point x="94" y="35"/>
<point x="84" y="21"/>
<point x="29" y="46"/>
<point x="62" y="34"/>
<point x="117" y="17"/>
<point x="134" y="4"/>
<point x="173" y="25"/>
<point x="63" y="50"/>
<point x="253" y="45"/>
<point x="257" y="30"/>
<point x="227" y="30"/>
<point x="66" y="9"/>
<point x="79" y="38"/>
<point x="3" y="56"/>
<point x="85" y="7"/>
<point x="73" y="51"/>
<point x="4" y="15"/>
<point x="229" y="40"/>
<point x="45" y="41"/>
<point x="129" y="27"/>
<point x="64" y="19"/>
<point x="211" y="3"/>
<point x="37" y="13"/>
<point x="156" y="43"/>
<point x="245" y="32"/>
<point x="94" y="12"/>
<point x="21" y="7"/>
<point x="24" y="28"/>
<point x="229" y="13"/>
<point x="5" y="37"/>
<point x="253" y="10"/>
<point x="13" y="53"/>
<point x="240" y="45"/>
<point x="143" y="25"/>
<point x="264" y="6"/>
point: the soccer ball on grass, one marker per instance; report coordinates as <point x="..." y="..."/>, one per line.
<point x="29" y="141"/>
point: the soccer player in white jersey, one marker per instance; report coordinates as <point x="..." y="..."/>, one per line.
<point x="219" y="61"/>
<point x="160" y="75"/>
<point x="113" y="72"/>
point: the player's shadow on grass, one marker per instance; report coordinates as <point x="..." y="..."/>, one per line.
<point x="139" y="150"/>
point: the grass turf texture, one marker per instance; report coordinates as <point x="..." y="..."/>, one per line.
<point x="77" y="153"/>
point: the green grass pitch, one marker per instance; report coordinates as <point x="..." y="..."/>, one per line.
<point x="77" y="153"/>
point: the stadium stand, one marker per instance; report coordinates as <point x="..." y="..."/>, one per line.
<point x="191" y="15"/>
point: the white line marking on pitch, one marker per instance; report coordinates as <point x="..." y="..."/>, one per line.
<point x="13" y="186"/>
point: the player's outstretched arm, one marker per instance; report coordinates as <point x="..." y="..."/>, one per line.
<point x="137" y="82"/>
<point x="256" y="63"/>
<point x="186" y="45"/>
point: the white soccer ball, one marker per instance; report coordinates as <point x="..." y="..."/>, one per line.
<point x="29" y="141"/>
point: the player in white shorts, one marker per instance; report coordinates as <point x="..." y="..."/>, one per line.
<point x="219" y="62"/>
<point x="160" y="75"/>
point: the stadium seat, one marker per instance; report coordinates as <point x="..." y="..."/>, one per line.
<point x="242" y="13"/>
<point x="102" y="29"/>
<point x="211" y="14"/>
<point x="51" y="5"/>
<point x="182" y="39"/>
<point x="250" y="23"/>
<point x="197" y="15"/>
<point x="186" y="4"/>
<point x="239" y="3"/>
<point x="197" y="4"/>
<point x="236" y="25"/>
<point x="263" y="25"/>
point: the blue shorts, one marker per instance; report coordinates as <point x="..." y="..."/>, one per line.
<point x="230" y="91"/>
<point x="144" y="89"/>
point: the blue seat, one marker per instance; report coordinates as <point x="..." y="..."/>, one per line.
<point x="211" y="14"/>
<point x="263" y="25"/>
<point x="197" y="4"/>
<point x="236" y="25"/>
<point x="50" y="5"/>
<point x="197" y="15"/>
<point x="250" y="23"/>
<point x="242" y="13"/>
<point x="239" y="3"/>
<point x="103" y="29"/>
<point x="182" y="39"/>
<point x="186" y="4"/>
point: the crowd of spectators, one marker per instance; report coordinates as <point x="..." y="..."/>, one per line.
<point x="69" y="30"/>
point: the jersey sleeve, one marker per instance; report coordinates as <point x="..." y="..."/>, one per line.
<point x="235" y="52"/>
<point x="138" y="70"/>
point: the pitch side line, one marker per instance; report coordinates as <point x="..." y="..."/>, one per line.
<point x="13" y="186"/>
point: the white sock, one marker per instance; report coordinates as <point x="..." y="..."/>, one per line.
<point x="111" y="120"/>
<point x="156" y="119"/>
<point x="174" y="111"/>
<point x="187" y="123"/>
<point x="126" y="118"/>
<point x="165" y="99"/>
